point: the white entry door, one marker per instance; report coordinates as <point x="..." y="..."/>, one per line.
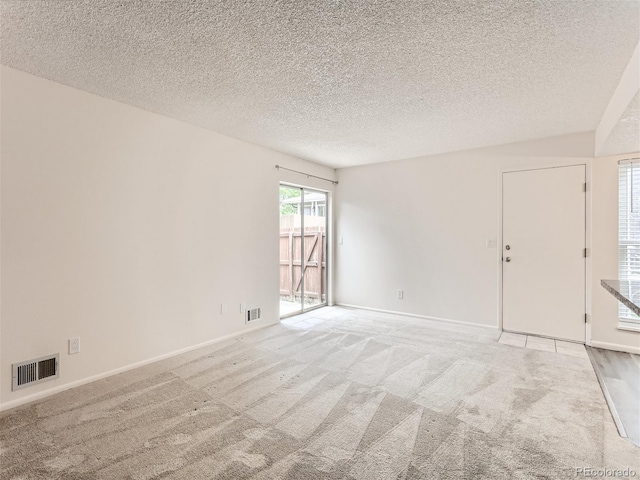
<point x="543" y="256"/>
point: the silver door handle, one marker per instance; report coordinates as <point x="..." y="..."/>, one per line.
<point x="508" y="259"/>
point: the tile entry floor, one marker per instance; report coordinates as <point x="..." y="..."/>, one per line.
<point x="544" y="344"/>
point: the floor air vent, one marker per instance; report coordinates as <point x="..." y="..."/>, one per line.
<point x="35" y="371"/>
<point x="253" y="314"/>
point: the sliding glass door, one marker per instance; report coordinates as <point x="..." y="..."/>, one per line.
<point x="303" y="249"/>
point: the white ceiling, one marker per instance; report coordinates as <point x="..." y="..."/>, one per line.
<point x="340" y="83"/>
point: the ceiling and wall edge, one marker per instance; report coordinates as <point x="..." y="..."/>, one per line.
<point x="625" y="92"/>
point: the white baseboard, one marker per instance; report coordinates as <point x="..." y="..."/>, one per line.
<point x="415" y="315"/>
<point x="83" y="381"/>
<point x="615" y="346"/>
<point x="607" y="395"/>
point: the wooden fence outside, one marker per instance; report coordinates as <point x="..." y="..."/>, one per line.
<point x="315" y="242"/>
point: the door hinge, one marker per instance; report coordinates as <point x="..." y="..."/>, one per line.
<point x="585" y="318"/>
<point x="584" y="187"/>
<point x="584" y="253"/>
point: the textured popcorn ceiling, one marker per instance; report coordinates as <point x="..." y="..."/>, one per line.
<point x="341" y="83"/>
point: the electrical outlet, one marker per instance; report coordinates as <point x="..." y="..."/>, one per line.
<point x="74" y="345"/>
<point x="223" y="309"/>
<point x="243" y="308"/>
<point x="492" y="243"/>
<point x="400" y="294"/>
<point x="340" y="240"/>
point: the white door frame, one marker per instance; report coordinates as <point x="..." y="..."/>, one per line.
<point x="586" y="162"/>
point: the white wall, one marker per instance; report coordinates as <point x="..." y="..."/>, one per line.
<point x="605" y="333"/>
<point x="422" y="224"/>
<point x="127" y="229"/>
<point x="617" y="133"/>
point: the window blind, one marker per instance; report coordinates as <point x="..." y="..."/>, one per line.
<point x="629" y="234"/>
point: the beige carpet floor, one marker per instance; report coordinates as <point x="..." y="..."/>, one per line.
<point x="334" y="394"/>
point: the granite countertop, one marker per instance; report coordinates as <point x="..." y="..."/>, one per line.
<point x="627" y="291"/>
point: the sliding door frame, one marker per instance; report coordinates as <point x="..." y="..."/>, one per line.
<point x="327" y="254"/>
